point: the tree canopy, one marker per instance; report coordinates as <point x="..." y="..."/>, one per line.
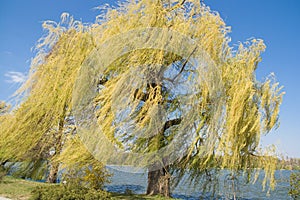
<point x="149" y="97"/>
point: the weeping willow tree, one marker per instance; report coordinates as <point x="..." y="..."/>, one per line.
<point x="42" y="122"/>
<point x="158" y="104"/>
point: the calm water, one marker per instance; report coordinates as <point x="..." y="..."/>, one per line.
<point x="137" y="183"/>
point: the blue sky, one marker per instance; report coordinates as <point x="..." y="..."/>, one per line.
<point x="276" y="22"/>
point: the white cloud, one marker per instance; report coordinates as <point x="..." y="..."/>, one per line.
<point x="7" y="52"/>
<point x="15" y="77"/>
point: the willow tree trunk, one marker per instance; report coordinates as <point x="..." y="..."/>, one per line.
<point x="53" y="172"/>
<point x="54" y="166"/>
<point x="158" y="182"/>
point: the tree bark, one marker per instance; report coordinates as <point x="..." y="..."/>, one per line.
<point x="52" y="176"/>
<point x="158" y="182"/>
<point x="158" y="176"/>
<point x="54" y="166"/>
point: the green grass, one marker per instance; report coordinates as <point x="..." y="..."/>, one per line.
<point x="20" y="189"/>
<point x="15" y="188"/>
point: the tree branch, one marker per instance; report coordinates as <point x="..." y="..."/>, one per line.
<point x="140" y="95"/>
<point x="184" y="64"/>
<point x="171" y="123"/>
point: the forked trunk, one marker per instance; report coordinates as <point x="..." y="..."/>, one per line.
<point x="158" y="182"/>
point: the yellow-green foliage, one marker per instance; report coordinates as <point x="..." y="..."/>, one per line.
<point x="294" y="191"/>
<point x="75" y="152"/>
<point x="228" y="122"/>
<point x="47" y="94"/>
<point x="89" y="174"/>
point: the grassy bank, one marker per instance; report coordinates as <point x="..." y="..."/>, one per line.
<point x="17" y="188"/>
<point x="20" y="189"/>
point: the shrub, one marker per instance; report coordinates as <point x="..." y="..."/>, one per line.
<point x="80" y="182"/>
<point x="91" y="176"/>
<point x="68" y="192"/>
<point x="294" y="191"/>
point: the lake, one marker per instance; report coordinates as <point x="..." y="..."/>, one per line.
<point x="134" y="179"/>
<point x="137" y="183"/>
